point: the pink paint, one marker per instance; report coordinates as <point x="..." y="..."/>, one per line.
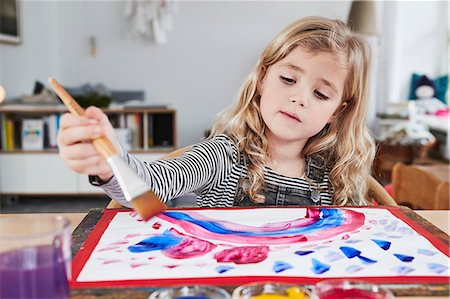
<point x="120" y="242"/>
<point x="352" y="221"/>
<point x="345" y="237"/>
<point x="351" y="293"/>
<point x="132" y="236"/>
<point x="243" y="255"/>
<point x="171" y="266"/>
<point x="188" y="247"/>
<point x="156" y="225"/>
<point x="137" y="265"/>
<point x="109" y="248"/>
<point x="111" y="262"/>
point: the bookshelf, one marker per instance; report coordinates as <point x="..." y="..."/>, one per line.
<point x="29" y="160"/>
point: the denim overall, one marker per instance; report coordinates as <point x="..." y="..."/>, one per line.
<point x="287" y="196"/>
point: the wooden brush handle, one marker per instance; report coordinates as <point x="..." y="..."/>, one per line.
<point x="103" y="145"/>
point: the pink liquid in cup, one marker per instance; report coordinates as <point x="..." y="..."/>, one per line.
<point x="342" y="289"/>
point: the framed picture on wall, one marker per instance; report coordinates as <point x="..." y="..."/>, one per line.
<point x="9" y="21"/>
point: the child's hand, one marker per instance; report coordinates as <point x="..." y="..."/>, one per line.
<point x="74" y="143"/>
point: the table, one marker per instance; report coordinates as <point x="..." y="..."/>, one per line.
<point x="439" y="218"/>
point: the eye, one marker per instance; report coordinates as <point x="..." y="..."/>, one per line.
<point x="320" y="95"/>
<point x="287" y="80"/>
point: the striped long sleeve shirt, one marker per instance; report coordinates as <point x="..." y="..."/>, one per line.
<point x="214" y="170"/>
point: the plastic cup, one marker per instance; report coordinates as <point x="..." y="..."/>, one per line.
<point x="270" y="290"/>
<point x="35" y="257"/>
<point x="191" y="292"/>
<point x="343" y="289"/>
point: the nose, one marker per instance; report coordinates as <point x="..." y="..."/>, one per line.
<point x="300" y="98"/>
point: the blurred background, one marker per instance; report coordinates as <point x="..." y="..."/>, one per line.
<point x="190" y="57"/>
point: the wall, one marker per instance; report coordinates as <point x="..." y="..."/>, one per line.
<point x="414" y="38"/>
<point x="211" y="48"/>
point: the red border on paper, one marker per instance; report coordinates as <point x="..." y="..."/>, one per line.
<point x="92" y="240"/>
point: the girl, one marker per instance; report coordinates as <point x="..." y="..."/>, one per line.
<point x="295" y="136"/>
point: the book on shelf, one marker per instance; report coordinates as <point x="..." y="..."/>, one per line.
<point x="32" y="134"/>
<point x="51" y="123"/>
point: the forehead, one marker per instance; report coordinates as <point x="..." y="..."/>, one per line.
<point x="321" y="65"/>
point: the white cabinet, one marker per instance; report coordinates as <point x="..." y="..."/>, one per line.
<point x="42" y="172"/>
<point x="46" y="174"/>
<point x="35" y="173"/>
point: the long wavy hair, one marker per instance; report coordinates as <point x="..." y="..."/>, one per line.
<point x="345" y="142"/>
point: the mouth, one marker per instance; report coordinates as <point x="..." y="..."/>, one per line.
<point x="291" y="116"/>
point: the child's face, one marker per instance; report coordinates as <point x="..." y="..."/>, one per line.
<point x="300" y="94"/>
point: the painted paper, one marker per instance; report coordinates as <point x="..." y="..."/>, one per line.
<point x="275" y="243"/>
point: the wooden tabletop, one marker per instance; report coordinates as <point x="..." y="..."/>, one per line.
<point x="439" y="218"/>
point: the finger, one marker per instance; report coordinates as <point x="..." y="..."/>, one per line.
<point x="78" y="151"/>
<point x="69" y="120"/>
<point x="96" y="113"/>
<point x="73" y="135"/>
<point x="94" y="165"/>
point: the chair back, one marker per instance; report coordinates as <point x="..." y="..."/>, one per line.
<point x="421" y="186"/>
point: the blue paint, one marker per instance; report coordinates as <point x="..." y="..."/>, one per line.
<point x="390" y="228"/>
<point x="402" y="270"/>
<point x="333" y="256"/>
<point x="436" y="268"/>
<point x="405" y="230"/>
<point x="366" y="260"/>
<point x="159" y="242"/>
<point x="385" y="245"/>
<point x="350" y="252"/>
<point x="318" y="267"/>
<point x="331" y="218"/>
<point x="403" y="257"/>
<point x="352" y="241"/>
<point x="353" y="268"/>
<point x="281" y="266"/>
<point x="223" y="269"/>
<point x="303" y="252"/>
<point x="426" y="252"/>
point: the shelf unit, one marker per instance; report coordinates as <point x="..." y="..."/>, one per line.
<point x="42" y="172"/>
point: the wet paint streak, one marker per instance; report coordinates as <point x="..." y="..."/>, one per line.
<point x="223" y="269"/>
<point x="303" y="252"/>
<point x="319" y="224"/>
<point x="404" y="258"/>
<point x="366" y="260"/>
<point x="243" y="255"/>
<point x="280" y="266"/>
<point x="402" y="270"/>
<point x="351" y="252"/>
<point x="436" y="268"/>
<point x="426" y="252"/>
<point x="188" y="247"/>
<point x="385" y="245"/>
<point x="353" y="268"/>
<point x="159" y="242"/>
<point x="318" y="267"/>
<point x="333" y="256"/>
<point x="156" y="225"/>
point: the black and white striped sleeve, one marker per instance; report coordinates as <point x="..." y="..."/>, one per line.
<point x="204" y="166"/>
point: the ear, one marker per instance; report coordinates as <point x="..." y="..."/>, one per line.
<point x="337" y="112"/>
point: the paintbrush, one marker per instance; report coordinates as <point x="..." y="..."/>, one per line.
<point x="135" y="189"/>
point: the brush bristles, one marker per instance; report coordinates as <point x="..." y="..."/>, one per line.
<point x="148" y="205"/>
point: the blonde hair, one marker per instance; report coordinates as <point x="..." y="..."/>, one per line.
<point x="349" y="150"/>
